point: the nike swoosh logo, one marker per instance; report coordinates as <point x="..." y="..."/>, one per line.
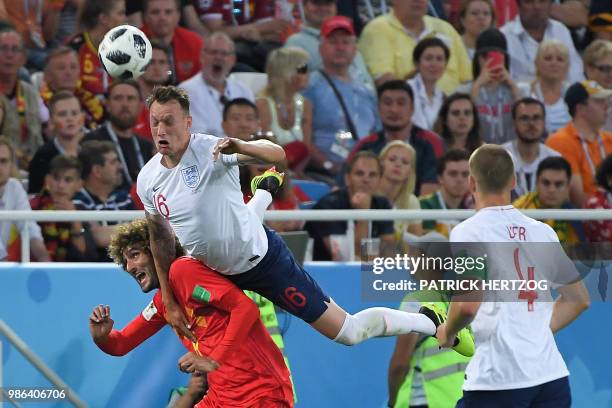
<point x="156" y="188"/>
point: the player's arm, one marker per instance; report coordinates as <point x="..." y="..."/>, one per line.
<point x="573" y="300"/>
<point x="255" y="151"/>
<point x="162" y="244"/>
<point x="120" y="342"/>
<point x="400" y="363"/>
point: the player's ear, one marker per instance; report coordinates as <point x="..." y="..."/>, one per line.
<point x="472" y="184"/>
<point x="513" y="184"/>
<point x="189" y="121"/>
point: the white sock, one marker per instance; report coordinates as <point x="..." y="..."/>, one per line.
<point x="260" y="202"/>
<point x="382" y="322"/>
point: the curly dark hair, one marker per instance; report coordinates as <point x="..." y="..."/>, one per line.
<point x="133" y="234"/>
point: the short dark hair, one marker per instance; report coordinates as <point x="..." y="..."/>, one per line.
<point x="145" y="5"/>
<point x="129" y="82"/>
<point x="395" y="85"/>
<point x="156" y="45"/>
<point x="61" y="96"/>
<point x="554" y="163"/>
<point x="474" y="139"/>
<point x="603" y="172"/>
<point x="364" y="154"/>
<point x="528" y="100"/>
<point x="58" y="52"/>
<point x="165" y="94"/>
<point x="91" y="10"/>
<point x="238" y="102"/>
<point x="92" y="154"/>
<point x="62" y="163"/>
<point x="429" y="42"/>
<point x="453" y="155"/>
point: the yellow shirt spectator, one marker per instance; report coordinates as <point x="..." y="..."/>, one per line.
<point x="387" y="48"/>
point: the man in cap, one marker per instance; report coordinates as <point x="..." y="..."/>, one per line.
<point x="583" y="142"/>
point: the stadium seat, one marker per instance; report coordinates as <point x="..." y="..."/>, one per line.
<point x="313" y="189"/>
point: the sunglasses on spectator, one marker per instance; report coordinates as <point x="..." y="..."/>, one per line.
<point x="302" y="69"/>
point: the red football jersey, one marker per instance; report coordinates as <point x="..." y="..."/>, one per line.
<point x="93" y="76"/>
<point x="228" y="328"/>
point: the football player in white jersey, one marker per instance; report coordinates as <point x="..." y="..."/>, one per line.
<point x="516" y="363"/>
<point x="191" y="189"/>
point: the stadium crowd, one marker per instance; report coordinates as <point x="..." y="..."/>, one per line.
<point x="377" y="105"/>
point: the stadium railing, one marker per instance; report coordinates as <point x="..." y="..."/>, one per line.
<point x="303" y="215"/>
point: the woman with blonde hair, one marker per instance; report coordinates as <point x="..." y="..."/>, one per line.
<point x="398" y="161"/>
<point x="282" y="109"/>
<point x="550" y="83"/>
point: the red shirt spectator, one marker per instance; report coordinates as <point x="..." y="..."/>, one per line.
<point x="599" y="230"/>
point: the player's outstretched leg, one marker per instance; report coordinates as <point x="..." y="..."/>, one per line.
<point x="262" y="187"/>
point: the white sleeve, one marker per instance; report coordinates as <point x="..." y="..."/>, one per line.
<point x="229" y="159"/>
<point x="142" y="188"/>
<point x="22" y="204"/>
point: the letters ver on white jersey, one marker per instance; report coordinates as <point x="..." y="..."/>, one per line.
<point x="202" y="200"/>
<point x="515" y="347"/>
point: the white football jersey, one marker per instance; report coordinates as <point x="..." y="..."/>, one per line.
<point x="515" y="347"/>
<point x="201" y="199"/>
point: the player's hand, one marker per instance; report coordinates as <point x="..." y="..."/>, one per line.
<point x="197" y="387"/>
<point x="191" y="363"/>
<point x="443" y="339"/>
<point x="177" y="320"/>
<point x="100" y="322"/>
<point x="227" y="145"/>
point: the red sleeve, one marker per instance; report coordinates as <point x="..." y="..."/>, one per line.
<point x="145" y="325"/>
<point x="195" y="284"/>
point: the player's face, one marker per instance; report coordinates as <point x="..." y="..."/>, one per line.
<point x="454" y="179"/>
<point x="63" y="72"/>
<point x="67" y="118"/>
<point x="241" y="122"/>
<point x="170" y="128"/>
<point x="6" y="164"/>
<point x="140" y="265"/>
<point x="364" y="176"/>
<point x="64" y="184"/>
<point x="553" y="188"/>
<point x="123" y="106"/>
<point x="395" y="109"/>
<point x="397" y="164"/>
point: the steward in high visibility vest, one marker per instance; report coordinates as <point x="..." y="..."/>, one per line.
<point x="420" y="373"/>
<point x="269" y="319"/>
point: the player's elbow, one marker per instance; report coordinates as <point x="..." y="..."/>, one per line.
<point x="469" y="309"/>
<point x="278" y="155"/>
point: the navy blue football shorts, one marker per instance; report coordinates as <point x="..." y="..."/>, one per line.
<point x="280" y="279"/>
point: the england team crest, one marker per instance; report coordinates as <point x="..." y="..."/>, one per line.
<point x="191" y="176"/>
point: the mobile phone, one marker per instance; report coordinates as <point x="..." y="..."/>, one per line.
<point x="495" y="60"/>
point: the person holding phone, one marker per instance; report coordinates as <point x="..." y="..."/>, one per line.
<point x="493" y="89"/>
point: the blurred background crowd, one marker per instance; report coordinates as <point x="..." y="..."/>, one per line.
<point x="378" y="105"/>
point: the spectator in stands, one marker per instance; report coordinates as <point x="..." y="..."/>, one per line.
<point x="387" y="43"/>
<point x="552" y="192"/>
<point x="458" y="123"/>
<point x="156" y="74"/>
<point x="257" y="27"/>
<point x="493" y="90"/>
<point x="65" y="241"/>
<point x="454" y="193"/>
<point x="283" y="110"/>
<point x="361" y="182"/>
<point x="397" y="181"/>
<point x="528" y="149"/>
<point x="430" y="58"/>
<point x="37" y="22"/>
<point x="395" y="107"/>
<point x="210" y="89"/>
<point x="66" y="129"/>
<point x="26" y="111"/>
<point x="601" y="230"/>
<point x="63" y="73"/>
<point x="309" y="38"/>
<point x="343" y="110"/>
<point x="101" y="175"/>
<point x="600" y="19"/>
<point x="240" y="119"/>
<point x="583" y="142"/>
<point x="475" y="16"/>
<point x="528" y="30"/>
<point x="550" y="83"/>
<point x="597" y="59"/>
<point x="161" y="24"/>
<point x="96" y="18"/>
<point x="123" y="104"/>
<point x="68" y="19"/>
<point x="13" y="197"/>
